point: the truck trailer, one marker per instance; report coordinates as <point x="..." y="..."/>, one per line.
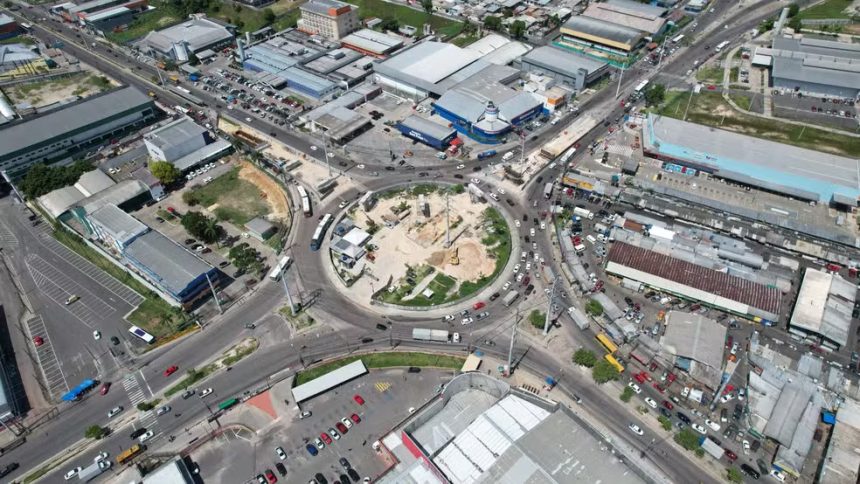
<point x="91" y="472"/>
<point x="510" y="298"/>
<point x="437" y="335"/>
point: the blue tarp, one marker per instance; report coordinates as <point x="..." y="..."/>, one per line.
<point x="79" y="390"/>
<point x="828" y="418"/>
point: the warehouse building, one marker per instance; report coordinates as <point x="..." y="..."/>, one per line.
<point x="815" y="66"/>
<point x="332" y="61"/>
<point x="499" y="50"/>
<point x="277" y="54"/>
<point x="79" y="13"/>
<point x="105" y="21"/>
<point x="114" y="227"/>
<point x="194" y="35"/>
<point x="19" y="59"/>
<point x="185" y="144"/>
<point x="427" y="131"/>
<point x="841" y="461"/>
<point x="690" y="281"/>
<point x="766" y="165"/>
<point x="73" y="129"/>
<point x="581" y="33"/>
<point x="372" y="43"/>
<point x="823" y="308"/>
<point x="649" y="19"/>
<point x="8" y="27"/>
<point x="569" y="69"/>
<point x="427" y="69"/>
<point x="328" y="18"/>
<point x="695" y="343"/>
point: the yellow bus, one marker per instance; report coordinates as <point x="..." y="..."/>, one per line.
<point x="130" y="453"/>
<point x="612" y="361"/>
<point x="607" y="343"/>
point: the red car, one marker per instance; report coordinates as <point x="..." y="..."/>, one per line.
<point x="577" y="240"/>
<point x="658" y="387"/>
<point x="729" y="342"/>
<point x="358" y="399"/>
<point x="38" y="341"/>
<point x="105" y="388"/>
<point x="270" y="476"/>
<point x="325" y="438"/>
<point x="341" y="427"/>
<point x="671" y="377"/>
<point x="653" y="366"/>
<point x="355" y="418"/>
<point x="640" y="377"/>
<point x="731" y="456"/>
<point x="171" y="370"/>
<point x="668" y="405"/>
<point x="478" y="305"/>
<point x="712" y="87"/>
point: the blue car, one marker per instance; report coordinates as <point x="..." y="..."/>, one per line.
<point x="312" y="450"/>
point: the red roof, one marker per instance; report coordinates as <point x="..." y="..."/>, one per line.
<point x="714" y="282"/>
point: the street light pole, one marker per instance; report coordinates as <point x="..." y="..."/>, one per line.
<point x="214" y="294"/>
<point x="287" y="290"/>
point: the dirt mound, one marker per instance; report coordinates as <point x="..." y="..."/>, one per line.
<point x="274" y="195"/>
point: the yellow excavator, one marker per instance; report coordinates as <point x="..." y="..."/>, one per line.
<point x="454" y="257"/>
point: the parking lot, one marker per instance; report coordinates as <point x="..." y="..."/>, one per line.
<point x="823" y="110"/>
<point x="388" y="397"/>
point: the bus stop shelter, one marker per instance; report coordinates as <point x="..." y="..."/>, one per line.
<point x="328" y="381"/>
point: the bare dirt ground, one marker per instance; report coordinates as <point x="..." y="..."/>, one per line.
<point x="44" y="93"/>
<point x="275" y="196"/>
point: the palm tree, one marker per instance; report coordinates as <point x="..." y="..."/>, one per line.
<point x="211" y="231"/>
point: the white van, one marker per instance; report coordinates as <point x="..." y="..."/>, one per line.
<point x="455" y="338"/>
<point x="602" y="238"/>
<point x="591" y="239"/>
<point x="508" y="156"/>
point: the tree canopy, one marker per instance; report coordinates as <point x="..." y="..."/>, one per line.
<point x="166" y="172"/>
<point x="245" y="258"/>
<point x="603" y="372"/>
<point x="517" y="29"/>
<point x="41" y="179"/>
<point x="585" y="357"/>
<point x="202" y="227"/>
<point x="655" y="95"/>
<point x="492" y="22"/>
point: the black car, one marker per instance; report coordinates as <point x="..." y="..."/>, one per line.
<point x="282" y="470"/>
<point x="381" y="327"/>
<point x="458" y="176"/>
<point x="114" y="340"/>
<point x="412" y="369"/>
<point x="683" y="418"/>
<point x="8" y="469"/>
<point x="320" y="478"/>
<point x="367" y="340"/>
<point x="344" y="479"/>
<point x="344" y="462"/>
<point x="738" y="413"/>
<point x="353" y="474"/>
<point x="750" y="471"/>
<point x="494" y="296"/>
<point x="137" y="433"/>
<point x="389" y="168"/>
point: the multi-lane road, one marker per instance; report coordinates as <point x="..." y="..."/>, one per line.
<point x="143" y="378"/>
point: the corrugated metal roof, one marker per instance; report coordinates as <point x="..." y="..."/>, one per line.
<point x="107" y="13"/>
<point x="562" y="61"/>
<point x="329" y="381"/>
<point x="114" y="194"/>
<point x="60" y="200"/>
<point x="93" y="182"/>
<point x="430" y="61"/>
<point x="120" y="225"/>
<point x="174" y="267"/>
<point x="698" y="277"/>
<point x="602" y="29"/>
<point x="696" y="337"/>
<point x="786" y="414"/>
<point x="423" y="125"/>
<point x="175" y="133"/>
<point x="372" y="41"/>
<point x="198" y="33"/>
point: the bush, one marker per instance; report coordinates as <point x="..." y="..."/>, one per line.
<point x="734" y="475"/>
<point x="687" y="439"/>
<point x="665" y="423"/>
<point x="585" y="357"/>
<point x="626" y="395"/>
<point x="603" y="372"/>
<point x="593" y="308"/>
<point x="95" y="432"/>
<point x="147" y="406"/>
<point x="191" y="198"/>
<point x="537" y="319"/>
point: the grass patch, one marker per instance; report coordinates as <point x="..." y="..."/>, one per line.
<point x="18" y="40"/>
<point x="733" y="74"/>
<point x="154" y="314"/>
<point x="238" y="352"/>
<point x="464" y="40"/>
<point x="38" y="474"/>
<point x="743" y="102"/>
<point x="825" y="10"/>
<point x="385" y="360"/>
<point x="193" y="376"/>
<point x="407" y="16"/>
<point x="537" y="319"/>
<point x="238" y="200"/>
<point x="710" y="109"/>
<point x="709" y="74"/>
<point x="164" y="15"/>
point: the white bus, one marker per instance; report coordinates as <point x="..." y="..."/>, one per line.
<point x="306" y="201"/>
<point x="722" y="45"/>
<point x="276" y="272"/>
<point x="141" y="334"/>
<point x="641" y="86"/>
<point x="678" y="39"/>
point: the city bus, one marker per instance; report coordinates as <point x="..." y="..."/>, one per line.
<point x="186" y="95"/>
<point x="722" y="45"/>
<point x="319" y="233"/>
<point x="641" y="86"/>
<point x="228" y="403"/>
<point x="677" y="39"/>
<point x="129" y="454"/>
<point x="279" y="268"/>
<point x="607" y="343"/>
<point x="612" y="361"/>
<point x="306" y="201"/>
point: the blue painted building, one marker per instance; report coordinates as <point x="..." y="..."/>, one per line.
<point x="427" y="131"/>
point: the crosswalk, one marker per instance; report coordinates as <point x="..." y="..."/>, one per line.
<point x="135" y="395"/>
<point x="7" y="238"/>
<point x="621" y="150"/>
<point x="382" y="386"/>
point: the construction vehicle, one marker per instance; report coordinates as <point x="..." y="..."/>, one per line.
<point x="454" y="257"/>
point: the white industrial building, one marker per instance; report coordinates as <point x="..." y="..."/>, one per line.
<point x="184" y="143"/>
<point x="823" y="308"/>
<point x="194" y="35"/>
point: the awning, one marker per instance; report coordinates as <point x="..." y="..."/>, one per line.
<point x="473" y="362"/>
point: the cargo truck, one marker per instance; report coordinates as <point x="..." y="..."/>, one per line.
<point x="437" y="335"/>
<point x="510" y="298"/>
<point x="486" y="154"/>
<point x="583" y="213"/>
<point x="547" y="190"/>
<point x="91" y="472"/>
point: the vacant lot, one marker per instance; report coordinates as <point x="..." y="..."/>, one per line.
<point x="826" y="10"/>
<point x="710" y="109"/>
<point x="43" y="93"/>
<point x="407" y="16"/>
<point x="232" y="198"/>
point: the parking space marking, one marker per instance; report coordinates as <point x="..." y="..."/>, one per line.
<point x="59" y="287"/>
<point x="49" y="365"/>
<point x="87" y="268"/>
<point x="7" y="238"/>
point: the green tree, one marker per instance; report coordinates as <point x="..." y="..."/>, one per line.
<point x="458" y="189"/>
<point x="734" y="475"/>
<point x="537" y="319"/>
<point x="191" y="197"/>
<point x="793" y="9"/>
<point x="169" y="65"/>
<point x="517" y="29"/>
<point x="41" y="179"/>
<point x="166" y="172"/>
<point x="147" y="406"/>
<point x="268" y="16"/>
<point x="491" y="22"/>
<point x="626" y="394"/>
<point x="427" y="5"/>
<point x="210" y="231"/>
<point x="687" y="439"/>
<point x="665" y="423"/>
<point x="237" y="8"/>
<point x="95" y="432"/>
<point x="585" y="357"/>
<point x="795" y="24"/>
<point x="201" y="227"/>
<point x="554" y="20"/>
<point x="655" y="95"/>
<point x="245" y="258"/>
<point x="193" y="59"/>
<point x="389" y="23"/>
<point x="593" y="308"/>
<point x="603" y="372"/>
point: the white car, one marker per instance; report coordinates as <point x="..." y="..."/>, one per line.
<point x="101" y="456"/>
<point x="205" y="392"/>
<point x="650" y="401"/>
<point x="162" y="410"/>
<point x="112" y="412"/>
<point x="725" y="398"/>
<point x="360" y="166"/>
<point x="507" y="286"/>
<point x="516" y="268"/>
<point x="334" y="433"/>
<point x="461" y="166"/>
<point x="534" y="246"/>
<point x="466" y="321"/>
<point x="635" y="429"/>
<point x="346" y="422"/>
<point x="543" y="225"/>
<point x="280" y="452"/>
<point x="342" y="204"/>
<point x="746" y="446"/>
<point x="501" y="191"/>
<point x="685" y="392"/>
<point x="319" y="443"/>
<point x="313" y="148"/>
<point x="634" y="387"/>
<point x="779" y="476"/>
<point x="532" y="232"/>
<point x="714" y="425"/>
<point x="520" y="277"/>
<point x="97" y="335"/>
<point x="698" y="428"/>
<point x="741" y="394"/>
<point x="449" y="317"/>
<point x="517" y="223"/>
<point x="72" y="473"/>
<point x="148" y="435"/>
<point x="247" y="120"/>
<point x="475" y="181"/>
<point x="528" y="266"/>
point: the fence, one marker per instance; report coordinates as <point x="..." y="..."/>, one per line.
<point x="825" y="21"/>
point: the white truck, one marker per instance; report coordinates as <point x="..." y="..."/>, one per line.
<point x="584" y="213"/>
<point x="437" y="335"/>
<point x="96" y="469"/>
<point x="510" y="298"/>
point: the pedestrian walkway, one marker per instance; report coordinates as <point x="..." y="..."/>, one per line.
<point x="147" y="419"/>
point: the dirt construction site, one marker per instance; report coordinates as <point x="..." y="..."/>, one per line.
<point x="415" y="237"/>
<point x="274" y="195"/>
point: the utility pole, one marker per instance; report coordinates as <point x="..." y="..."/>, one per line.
<point x="620" y="75"/>
<point x="447" y="221"/>
<point x="214" y="294"/>
<point x="287" y="290"/>
<point x="325" y="152"/>
<point x="549" y="306"/>
<point x="513" y="337"/>
<point x="522" y="146"/>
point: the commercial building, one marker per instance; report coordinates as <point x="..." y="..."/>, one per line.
<point x="175" y="471"/>
<point x="582" y="32"/>
<point x="260" y="228"/>
<point x="649" y="19"/>
<point x="841" y="462"/>
<point x="427" y="69"/>
<point x="815" y="66"/>
<point x="193" y="35"/>
<point x="15" y="57"/>
<point x="105" y="21"/>
<point x="695" y="342"/>
<point x="696" y="6"/>
<point x="685" y="279"/>
<point x="184" y="143"/>
<point x="499" y="50"/>
<point x="371" y="42"/>
<point x="114" y="227"/>
<point x="337" y="118"/>
<point x="8" y="27"/>
<point x="823" y="308"/>
<point x="485" y="107"/>
<point x="78" y="13"/>
<point x="569" y="69"/>
<point x="72" y="129"/>
<point x="766" y="165"/>
<point x="426" y="131"/>
<point x="481" y="430"/>
<point x="329" y="18"/>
